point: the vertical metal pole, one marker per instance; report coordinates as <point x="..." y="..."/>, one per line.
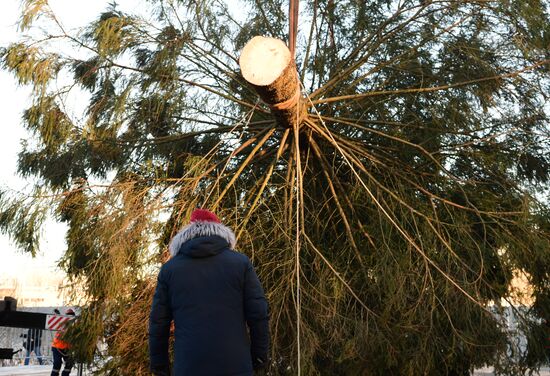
<point x="80" y="369"/>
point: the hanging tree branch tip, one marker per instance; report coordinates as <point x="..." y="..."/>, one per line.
<point x="267" y="64"/>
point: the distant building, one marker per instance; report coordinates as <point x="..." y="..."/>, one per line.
<point x="33" y="289"/>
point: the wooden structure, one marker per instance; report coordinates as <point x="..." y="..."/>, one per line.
<point x="267" y="64"/>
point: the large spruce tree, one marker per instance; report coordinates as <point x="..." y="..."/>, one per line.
<point x="386" y="228"/>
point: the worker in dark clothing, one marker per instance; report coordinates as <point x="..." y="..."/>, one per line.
<point x="60" y="352"/>
<point x="32" y="343"/>
<point x="212" y="294"/>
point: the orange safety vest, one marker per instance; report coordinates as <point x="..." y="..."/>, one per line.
<point x="58" y="343"/>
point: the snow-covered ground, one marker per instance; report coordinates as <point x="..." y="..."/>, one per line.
<point x="489" y="371"/>
<point x="45" y="371"/>
<point x="31" y="371"/>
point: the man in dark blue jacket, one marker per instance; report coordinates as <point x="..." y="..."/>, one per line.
<point x="212" y="294"/>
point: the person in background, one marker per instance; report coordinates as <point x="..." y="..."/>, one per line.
<point x="212" y="294"/>
<point x="60" y="352"/>
<point x="33" y="341"/>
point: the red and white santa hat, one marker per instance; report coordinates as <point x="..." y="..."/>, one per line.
<point x="203" y="215"/>
<point x="202" y="223"/>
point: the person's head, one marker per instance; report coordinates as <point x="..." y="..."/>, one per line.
<point x="202" y="223"/>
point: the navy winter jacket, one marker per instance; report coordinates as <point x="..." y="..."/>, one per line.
<point x="212" y="294"/>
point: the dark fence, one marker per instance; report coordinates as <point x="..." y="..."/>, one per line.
<point x="25" y="343"/>
<point x="32" y="343"/>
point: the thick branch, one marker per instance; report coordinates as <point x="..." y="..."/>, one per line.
<point x="267" y="65"/>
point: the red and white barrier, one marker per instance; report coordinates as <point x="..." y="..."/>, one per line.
<point x="57" y="322"/>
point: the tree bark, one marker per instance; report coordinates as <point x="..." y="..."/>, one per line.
<point x="266" y="63"/>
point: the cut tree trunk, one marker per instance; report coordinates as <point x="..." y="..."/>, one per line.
<point x="266" y="63"/>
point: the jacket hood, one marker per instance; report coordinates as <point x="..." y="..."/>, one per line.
<point x="203" y="230"/>
<point x="204" y="246"/>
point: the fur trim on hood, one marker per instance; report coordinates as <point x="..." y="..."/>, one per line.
<point x="201" y="228"/>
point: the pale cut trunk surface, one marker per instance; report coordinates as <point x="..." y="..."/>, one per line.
<point x="266" y="63"/>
